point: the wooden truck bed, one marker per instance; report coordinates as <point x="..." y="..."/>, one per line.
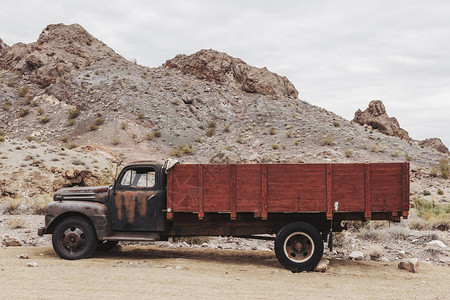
<point x="262" y="189"/>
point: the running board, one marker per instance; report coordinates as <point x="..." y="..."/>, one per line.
<point x="133" y="236"/>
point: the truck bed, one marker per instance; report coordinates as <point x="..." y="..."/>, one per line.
<point x="263" y="189"/>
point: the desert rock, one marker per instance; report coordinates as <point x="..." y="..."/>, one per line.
<point x="75" y="177"/>
<point x="2" y="44"/>
<point x="376" y="117"/>
<point x="435" y="143"/>
<point x="10" y="241"/>
<point x="411" y="265"/>
<point x="221" y="68"/>
<point x="322" y="266"/>
<point x="356" y="255"/>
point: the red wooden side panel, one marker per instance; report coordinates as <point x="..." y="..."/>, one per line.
<point x="185" y="188"/>
<point x="295" y="188"/>
<point x="386" y="187"/>
<point x="248" y="188"/>
<point x="216" y="188"/>
<point x="348" y="187"/>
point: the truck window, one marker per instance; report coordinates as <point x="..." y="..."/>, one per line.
<point x="144" y="178"/>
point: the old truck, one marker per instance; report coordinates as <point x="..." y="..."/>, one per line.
<point x="297" y="205"/>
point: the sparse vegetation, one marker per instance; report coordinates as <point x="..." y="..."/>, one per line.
<point x="99" y="121"/>
<point x="272" y="131"/>
<point x="193" y="240"/>
<point x="39" y="206"/>
<point x="64" y="139"/>
<point x="23" y="112"/>
<point x="44" y="120"/>
<point x="336" y="124"/>
<point x="16" y="223"/>
<point x="348" y="152"/>
<point x="408" y="157"/>
<point x="149" y="136"/>
<point x="23" y="91"/>
<point x="157" y="133"/>
<point x="289" y="134"/>
<point x="440" y="192"/>
<point x="374" y="148"/>
<point x="275" y="146"/>
<point x="72" y="146"/>
<point x="226" y="128"/>
<point x="115" y="141"/>
<point x="327" y="141"/>
<point x="444" y="168"/>
<point x="92" y="127"/>
<point x="73" y="114"/>
<point x="297" y="143"/>
<point x="181" y="150"/>
<point x="239" y="140"/>
<point x="40" y="111"/>
<point x="375" y="251"/>
<point x="140" y="116"/>
<point x="395" y="154"/>
<point x="29" y="138"/>
<point x="426" y="193"/>
<point x="123" y="125"/>
<point x="210" y="132"/>
<point x="437" y="215"/>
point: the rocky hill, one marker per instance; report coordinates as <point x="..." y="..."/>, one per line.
<point x="70" y="90"/>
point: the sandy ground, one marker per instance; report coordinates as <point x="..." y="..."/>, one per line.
<point x="144" y="272"/>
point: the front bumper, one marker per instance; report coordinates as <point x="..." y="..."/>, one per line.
<point x="41" y="231"/>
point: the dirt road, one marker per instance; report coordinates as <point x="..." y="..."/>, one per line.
<point x="146" y="272"/>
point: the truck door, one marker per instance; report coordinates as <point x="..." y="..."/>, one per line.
<point x="138" y="199"/>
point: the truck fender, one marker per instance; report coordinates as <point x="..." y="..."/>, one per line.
<point x="97" y="213"/>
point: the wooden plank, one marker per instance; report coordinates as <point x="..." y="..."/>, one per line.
<point x="248" y="188"/>
<point x="216" y="188"/>
<point x="169" y="213"/>
<point x="232" y="193"/>
<point x="368" y="213"/>
<point x="201" y="213"/>
<point x="264" y="192"/>
<point x="405" y="207"/>
<point x="329" y="193"/>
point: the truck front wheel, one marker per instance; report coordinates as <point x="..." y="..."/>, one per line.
<point x="299" y="247"/>
<point x="74" y="238"/>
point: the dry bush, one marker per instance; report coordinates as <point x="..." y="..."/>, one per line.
<point x="373" y="235"/>
<point x="73" y="114"/>
<point x="339" y="239"/>
<point x="327" y="141"/>
<point x="40" y="205"/>
<point x="12" y="208"/>
<point x="16" y="223"/>
<point x="398" y="233"/>
<point x="419" y="224"/>
<point x="375" y="251"/>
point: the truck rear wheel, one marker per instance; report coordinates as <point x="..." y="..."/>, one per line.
<point x="74" y="238"/>
<point x="299" y="247"/>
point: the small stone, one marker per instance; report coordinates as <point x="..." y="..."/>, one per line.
<point x="322" y="266"/>
<point x="10" y="241"/>
<point x="254" y="248"/>
<point x="356" y="255"/>
<point x="411" y="265"/>
<point x="384" y="259"/>
<point x="32" y="264"/>
<point x="24" y="256"/>
<point x="185" y="245"/>
<point x="205" y="245"/>
<point x="401" y="253"/>
<point x="178" y="267"/>
<point x="437" y="243"/>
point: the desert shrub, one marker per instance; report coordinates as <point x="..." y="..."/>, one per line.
<point x="44" y="120"/>
<point x="210" y="131"/>
<point x="275" y="146"/>
<point x="181" y="150"/>
<point x="16" y="223"/>
<point x="193" y="240"/>
<point x="374" y="148"/>
<point x="395" y="154"/>
<point x="157" y="133"/>
<point x="336" y="124"/>
<point x="239" y="141"/>
<point x="70" y="122"/>
<point x="23" y="112"/>
<point x="339" y="239"/>
<point x="348" y="152"/>
<point x="149" y="136"/>
<point x="372" y="234"/>
<point x="398" y="233"/>
<point x="99" y="121"/>
<point x="23" y="91"/>
<point x="40" y="111"/>
<point x="288" y="134"/>
<point x="2" y="138"/>
<point x="375" y="251"/>
<point x="408" y="157"/>
<point x="140" y="116"/>
<point x="419" y="224"/>
<point x="64" y="139"/>
<point x="115" y="141"/>
<point x="426" y="193"/>
<point x="73" y="114"/>
<point x="92" y="127"/>
<point x="327" y="141"/>
<point x="123" y="125"/>
<point x="272" y="131"/>
<point x="297" y="143"/>
<point x="29" y="138"/>
<point x="12" y="207"/>
<point x="212" y="124"/>
<point x="40" y="205"/>
<point x="72" y="146"/>
<point x="440" y="192"/>
<point x="444" y="168"/>
<point x="6" y="106"/>
<point x="226" y="128"/>
<point x="434" y="171"/>
<point x="428" y="209"/>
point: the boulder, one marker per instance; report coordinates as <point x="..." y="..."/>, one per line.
<point x="322" y="266"/>
<point x="438" y="243"/>
<point x="375" y="117"/>
<point x="222" y="68"/>
<point x="2" y="44"/>
<point x="356" y="255"/>
<point x="10" y="241"/>
<point x="435" y="143"/>
<point x="32" y="264"/>
<point x="74" y="177"/>
<point x="411" y="265"/>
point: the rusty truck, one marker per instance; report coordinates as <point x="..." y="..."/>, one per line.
<point x="299" y="206"/>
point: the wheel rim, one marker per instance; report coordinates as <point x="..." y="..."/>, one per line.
<point x="298" y="247"/>
<point x="73" y="240"/>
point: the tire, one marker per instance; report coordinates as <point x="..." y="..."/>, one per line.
<point x="299" y="247"/>
<point x="74" y="238"/>
<point x="105" y="246"/>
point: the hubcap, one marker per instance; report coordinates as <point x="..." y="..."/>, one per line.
<point x="298" y="247"/>
<point x="73" y="240"/>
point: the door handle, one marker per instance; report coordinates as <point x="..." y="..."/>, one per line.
<point x="149" y="198"/>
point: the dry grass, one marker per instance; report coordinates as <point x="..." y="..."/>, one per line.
<point x="193" y="240"/>
<point x="73" y="114"/>
<point x="375" y="251"/>
<point x="327" y="141"/>
<point x="16" y="223"/>
<point x="40" y="205"/>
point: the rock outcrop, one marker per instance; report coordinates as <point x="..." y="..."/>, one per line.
<point x="376" y="117"/>
<point x="435" y="143"/>
<point x="74" y="177"/>
<point x="2" y="44"/>
<point x="59" y="50"/>
<point x="221" y="68"/>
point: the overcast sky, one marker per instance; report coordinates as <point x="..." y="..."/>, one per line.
<point x="340" y="55"/>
